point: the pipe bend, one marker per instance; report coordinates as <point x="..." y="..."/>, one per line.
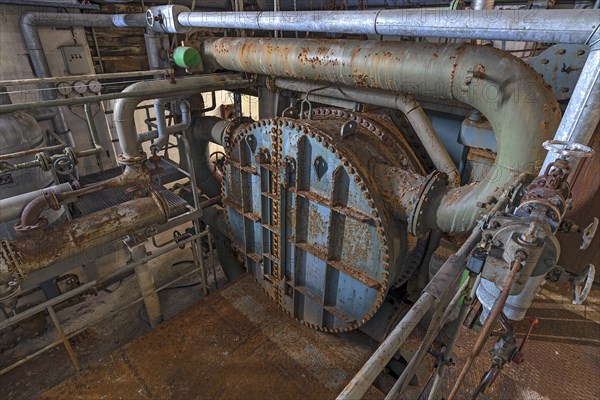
<point x="520" y="107"/>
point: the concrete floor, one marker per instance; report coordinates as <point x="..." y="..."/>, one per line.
<point x="236" y="344"/>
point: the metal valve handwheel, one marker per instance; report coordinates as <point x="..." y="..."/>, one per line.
<point x="582" y="284"/>
<point x="64" y="166"/>
<point x="568" y="149"/>
<point x="150" y="18"/>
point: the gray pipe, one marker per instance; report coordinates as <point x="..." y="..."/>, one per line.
<point x="408" y="105"/>
<point x="164" y="131"/>
<point x="521" y="109"/>
<point x="11" y="207"/>
<point x="29" y="28"/>
<point x="145" y="90"/>
<point x="548" y="26"/>
<point x="200" y="136"/>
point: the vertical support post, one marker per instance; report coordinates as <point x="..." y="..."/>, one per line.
<point x="64" y="338"/>
<point x="146" y="283"/>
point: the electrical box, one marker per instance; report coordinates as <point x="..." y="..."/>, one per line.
<point x="75" y="60"/>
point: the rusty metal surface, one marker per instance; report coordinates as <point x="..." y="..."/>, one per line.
<point x="309" y="208"/>
<point x="29" y="253"/>
<point x="235" y="344"/>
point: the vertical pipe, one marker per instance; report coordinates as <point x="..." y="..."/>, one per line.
<point x="146" y="284"/>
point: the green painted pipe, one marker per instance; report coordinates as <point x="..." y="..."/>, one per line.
<point x="513" y="97"/>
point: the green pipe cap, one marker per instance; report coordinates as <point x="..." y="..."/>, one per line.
<point x="186" y="57"/>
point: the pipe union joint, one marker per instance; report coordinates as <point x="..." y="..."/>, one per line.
<point x="165" y="19"/>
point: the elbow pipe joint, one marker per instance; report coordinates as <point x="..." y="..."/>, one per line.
<point x="520" y="107"/>
<point x="32" y="220"/>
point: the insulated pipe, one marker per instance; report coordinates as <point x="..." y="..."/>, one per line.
<point x="406" y="104"/>
<point x="548" y="26"/>
<point x="30" y="23"/>
<point x="11" y="207"/>
<point x="145" y="90"/>
<point x="66" y="240"/>
<point x="521" y="109"/>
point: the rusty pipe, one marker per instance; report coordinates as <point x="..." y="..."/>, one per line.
<point x="135" y="174"/>
<point x="520" y="107"/>
<point x="22" y="256"/>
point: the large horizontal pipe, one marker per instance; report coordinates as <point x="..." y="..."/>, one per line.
<point x="548" y="26"/>
<point x="59" y="242"/>
<point x="407" y="104"/>
<point x="521" y="109"/>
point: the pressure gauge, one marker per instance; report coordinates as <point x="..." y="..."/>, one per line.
<point x="95" y="86"/>
<point x="64" y="88"/>
<point x="80" y="87"/>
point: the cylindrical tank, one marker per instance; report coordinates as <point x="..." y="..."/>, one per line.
<point x="309" y="208"/>
<point x="18" y="132"/>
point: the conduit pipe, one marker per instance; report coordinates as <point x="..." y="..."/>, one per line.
<point x="521" y="109"/>
<point x="65" y="240"/>
<point x="401" y="102"/>
<point x="30" y="23"/>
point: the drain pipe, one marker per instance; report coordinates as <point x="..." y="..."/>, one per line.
<point x="30" y="23"/>
<point x="521" y="109"/>
<point x="583" y="112"/>
<point x="404" y="103"/>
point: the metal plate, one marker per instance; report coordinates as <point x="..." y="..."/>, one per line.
<point x="305" y="214"/>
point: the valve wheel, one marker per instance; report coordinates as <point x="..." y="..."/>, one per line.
<point x="568" y="149"/>
<point x="582" y="284"/>
<point x="64" y="166"/>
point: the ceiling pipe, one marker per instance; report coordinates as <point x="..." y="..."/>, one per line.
<point x="404" y="103"/>
<point x="30" y="23"/>
<point x="521" y="109"/>
<point x="548" y="26"/>
<point x="579" y="26"/>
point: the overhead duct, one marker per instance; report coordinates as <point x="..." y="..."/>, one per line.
<point x="521" y="109"/>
